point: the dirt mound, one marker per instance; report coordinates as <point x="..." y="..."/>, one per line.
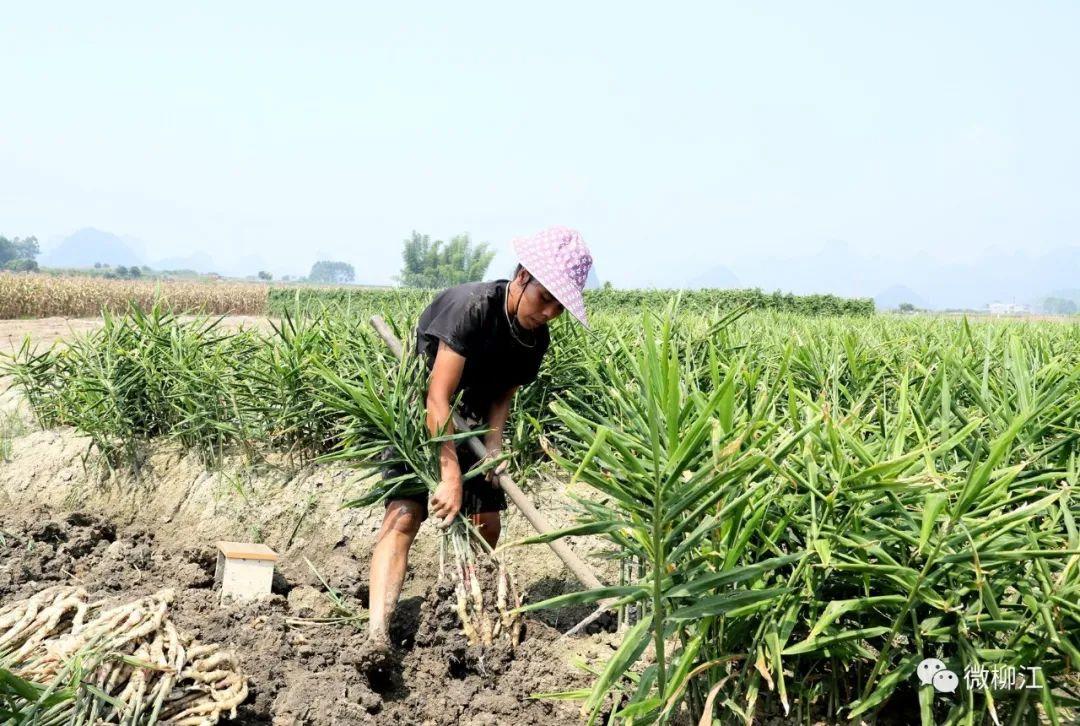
<point x="299" y="674"/>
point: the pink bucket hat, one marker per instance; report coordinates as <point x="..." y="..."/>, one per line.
<point x="560" y="261"/>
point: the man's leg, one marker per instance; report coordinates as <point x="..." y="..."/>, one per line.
<point x="389" y="560"/>
<point x="490" y="525"/>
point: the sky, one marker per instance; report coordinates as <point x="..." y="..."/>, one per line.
<point x="673" y="136"/>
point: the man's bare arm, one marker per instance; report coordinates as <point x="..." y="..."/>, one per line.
<point x="497" y="418"/>
<point x="445" y="376"/>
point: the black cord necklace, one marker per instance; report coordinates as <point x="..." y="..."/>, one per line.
<point x="511" y="323"/>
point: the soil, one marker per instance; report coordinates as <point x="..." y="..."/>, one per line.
<point x="299" y="674"/>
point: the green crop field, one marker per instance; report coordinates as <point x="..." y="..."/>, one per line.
<point x="808" y="500"/>
<point x="286" y="299"/>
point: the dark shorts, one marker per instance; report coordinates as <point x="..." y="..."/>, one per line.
<point x="477" y="495"/>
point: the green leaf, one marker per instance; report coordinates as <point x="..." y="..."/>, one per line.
<point x="637" y="709"/>
<point x="633" y="645"/>
<point x="884" y="469"/>
<point x="823" y="641"/>
<point x="576" y="695"/>
<point x="933" y="504"/>
<point x="586" y="596"/>
<point x="735" y="574"/>
<point x="838" y="608"/>
<point x="727" y="602"/>
<point x="576" y="530"/>
<point x="102" y="696"/>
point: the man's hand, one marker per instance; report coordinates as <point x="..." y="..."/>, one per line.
<point x="492" y="475"/>
<point x="445" y="503"/>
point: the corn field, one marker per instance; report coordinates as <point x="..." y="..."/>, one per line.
<point x="42" y="296"/>
<point x="812" y="504"/>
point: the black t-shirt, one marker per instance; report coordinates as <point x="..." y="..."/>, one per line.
<point x="472" y="320"/>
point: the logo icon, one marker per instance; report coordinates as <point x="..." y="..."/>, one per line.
<point x="945" y="681"/>
<point x="933" y="672"/>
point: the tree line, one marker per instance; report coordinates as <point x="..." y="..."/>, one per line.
<point x="19" y="254"/>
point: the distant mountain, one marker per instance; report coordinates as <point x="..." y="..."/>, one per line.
<point x="891" y="297"/>
<point x="87" y="246"/>
<point x="1073" y="295"/>
<point x="243" y="266"/>
<point x="199" y="262"/>
<point x="716" y="277"/>
<point x="836" y="267"/>
<point x="1006" y="275"/>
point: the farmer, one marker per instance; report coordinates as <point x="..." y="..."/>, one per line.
<point x="486" y="340"/>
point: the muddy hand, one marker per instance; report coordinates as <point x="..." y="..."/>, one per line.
<point x="499" y="470"/>
<point x="445" y="503"/>
<point x="492" y="475"/>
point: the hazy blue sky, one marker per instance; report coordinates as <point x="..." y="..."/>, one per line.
<point x="669" y="134"/>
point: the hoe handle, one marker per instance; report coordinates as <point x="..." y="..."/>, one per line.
<point x="577" y="566"/>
